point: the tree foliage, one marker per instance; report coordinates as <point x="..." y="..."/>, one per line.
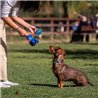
<point x="65" y="9"/>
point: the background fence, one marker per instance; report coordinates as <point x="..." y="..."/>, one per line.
<point x="54" y="26"/>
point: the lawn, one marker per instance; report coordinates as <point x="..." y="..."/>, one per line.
<point x="31" y="68"/>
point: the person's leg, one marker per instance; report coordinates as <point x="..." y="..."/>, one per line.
<point x="3" y="52"/>
<point x="3" y="56"/>
<point x="87" y="38"/>
<point x="3" y="68"/>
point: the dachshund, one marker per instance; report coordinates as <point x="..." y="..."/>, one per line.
<point x="64" y="72"/>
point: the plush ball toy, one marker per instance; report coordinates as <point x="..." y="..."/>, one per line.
<point x="38" y="31"/>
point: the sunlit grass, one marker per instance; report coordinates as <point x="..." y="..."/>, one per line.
<point x="31" y="68"/>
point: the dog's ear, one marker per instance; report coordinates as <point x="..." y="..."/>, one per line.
<point x="59" y="51"/>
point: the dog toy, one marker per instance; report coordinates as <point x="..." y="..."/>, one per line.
<point x="32" y="40"/>
<point x="38" y="31"/>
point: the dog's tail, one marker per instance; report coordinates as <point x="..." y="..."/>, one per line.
<point x="90" y="84"/>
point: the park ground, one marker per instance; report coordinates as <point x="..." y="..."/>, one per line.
<point x="31" y="68"/>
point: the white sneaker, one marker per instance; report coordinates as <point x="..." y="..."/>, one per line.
<point x="10" y="83"/>
<point x="4" y="85"/>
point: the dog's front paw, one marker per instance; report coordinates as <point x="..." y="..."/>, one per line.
<point x="60" y="85"/>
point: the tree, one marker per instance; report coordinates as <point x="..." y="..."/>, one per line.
<point x="65" y="7"/>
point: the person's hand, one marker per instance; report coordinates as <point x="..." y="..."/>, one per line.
<point x="22" y="32"/>
<point x="32" y="29"/>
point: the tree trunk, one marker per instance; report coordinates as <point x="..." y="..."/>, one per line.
<point x="65" y="3"/>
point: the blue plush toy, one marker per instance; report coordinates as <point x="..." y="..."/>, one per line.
<point x="38" y="31"/>
<point x="32" y="40"/>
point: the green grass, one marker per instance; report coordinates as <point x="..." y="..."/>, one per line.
<point x="31" y="68"/>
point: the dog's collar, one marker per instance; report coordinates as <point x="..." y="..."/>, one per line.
<point x="58" y="61"/>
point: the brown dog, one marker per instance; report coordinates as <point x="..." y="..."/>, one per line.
<point x="64" y="72"/>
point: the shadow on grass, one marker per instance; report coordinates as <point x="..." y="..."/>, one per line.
<point x="91" y="65"/>
<point x="82" y="54"/>
<point x="30" y="50"/>
<point x="50" y="85"/>
<point x="74" y="54"/>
